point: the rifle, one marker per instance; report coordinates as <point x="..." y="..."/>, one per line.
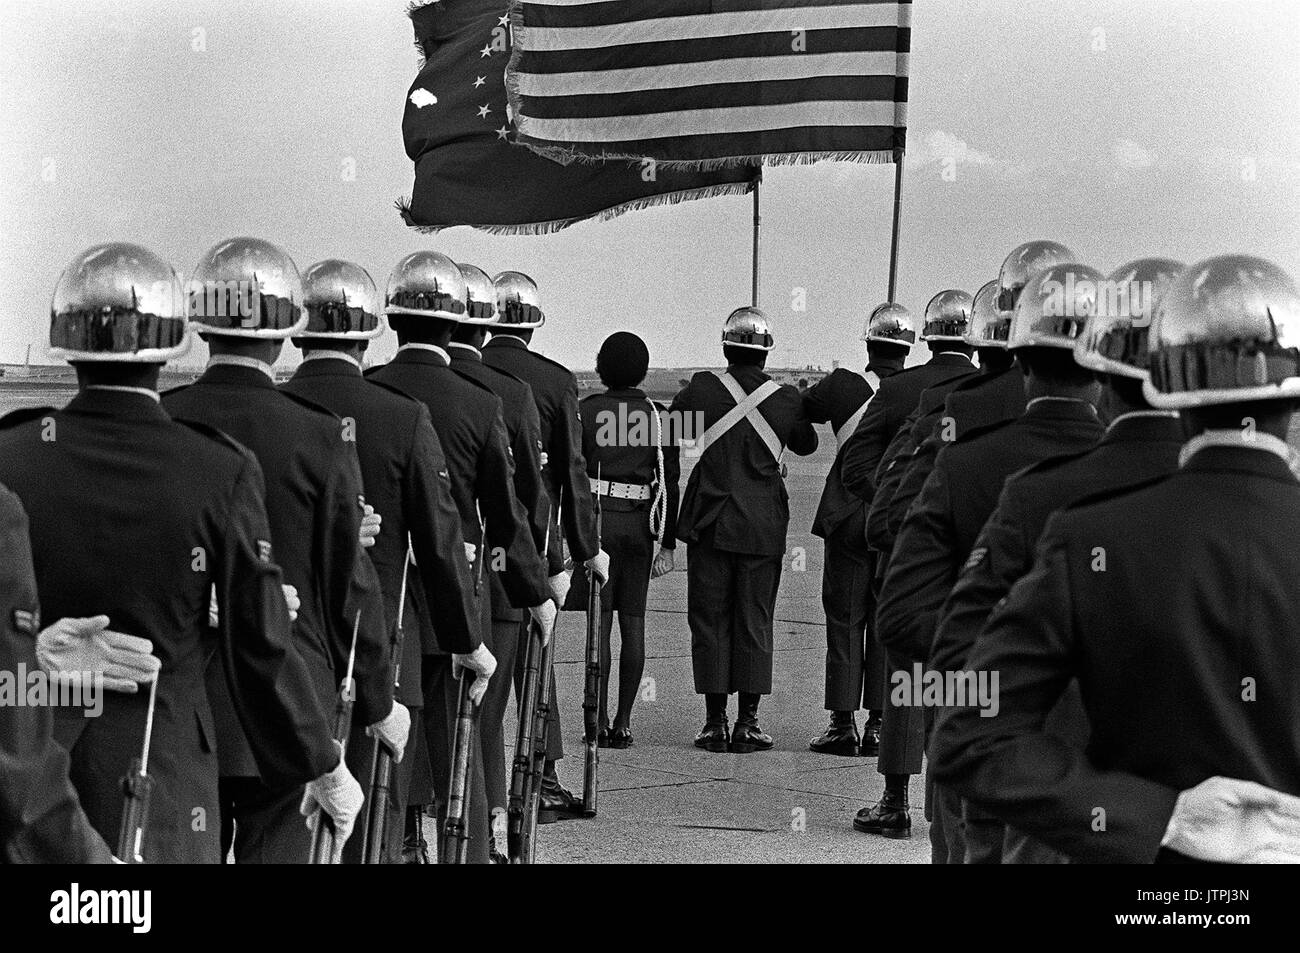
<point x="591" y="684"/>
<point x="136" y="788"/>
<point x="381" y="762"/>
<point x="323" y="837"/>
<point x="455" y="835"/>
<point x="522" y="802"/>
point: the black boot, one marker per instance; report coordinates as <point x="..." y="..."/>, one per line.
<point x="840" y="738"/>
<point x="888" y="817"/>
<point x="415" y="849"/>
<point x="556" y="802"/>
<point x="714" y="736"/>
<point x="747" y="737"/>
<point x="870" y="747"/>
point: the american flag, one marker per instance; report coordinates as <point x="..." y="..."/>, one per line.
<point x="708" y="83"/>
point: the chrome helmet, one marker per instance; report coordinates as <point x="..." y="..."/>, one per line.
<point x="342" y="302"/>
<point x="1114" y="341"/>
<point x="947" y="316"/>
<point x="480" y="296"/>
<point x="890" y="324"/>
<point x="518" y="303"/>
<point x="1227" y="329"/>
<point x="1054" y="306"/>
<point x="748" y="327"/>
<point x="246" y="288"/>
<point x="118" y="302"/>
<point x="426" y="284"/>
<point x="1022" y="264"/>
<point x="988" y="326"/>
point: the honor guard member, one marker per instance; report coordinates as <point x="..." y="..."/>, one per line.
<point x="993" y="359"/>
<point x="636" y="471"/>
<point x="997" y="394"/>
<point x="425" y="300"/>
<point x="939" y="531"/>
<point x="1173" y="605"/>
<point x="41" y="820"/>
<point x="175" y="511"/>
<point x="524" y="433"/>
<point x="245" y="300"/>
<point x="1140" y="445"/>
<point x="734" y="515"/>
<point x="519" y="315"/>
<point x="404" y="473"/>
<point x="899" y="746"/>
<point x="855" y="663"/>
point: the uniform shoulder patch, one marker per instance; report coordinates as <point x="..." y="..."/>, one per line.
<point x="16" y="417"/>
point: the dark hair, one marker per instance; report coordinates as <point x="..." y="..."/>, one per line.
<point x="1054" y="366"/>
<point x="415" y="329"/>
<point x="995" y="358"/>
<point x="623" y="360"/>
<point x="1269" y="416"/>
<point x="747" y="356"/>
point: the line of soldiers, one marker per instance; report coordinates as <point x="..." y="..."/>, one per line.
<point x="1066" y="576"/>
<point x="245" y="547"/>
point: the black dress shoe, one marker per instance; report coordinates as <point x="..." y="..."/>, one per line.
<point x="602" y="737"/>
<point x="747" y="737"/>
<point x="620" y="738"/>
<point x="556" y="803"/>
<point x="713" y="736"/>
<point x="888" y="817"/>
<point x="415" y="849"/>
<point x="870" y="747"/>
<point x="841" y="738"/>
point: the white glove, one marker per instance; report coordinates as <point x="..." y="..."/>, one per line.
<point x="470" y="552"/>
<point x="559" y="584"/>
<point x="544" y="615"/>
<point x="663" y="563"/>
<point x="393" y="731"/>
<point x="72" y="647"/>
<point x="337" y="794"/>
<point x="482" y="663"/>
<point x="370" y="522"/>
<point x="214" y="617"/>
<point x="599" y="564"/>
<point x="1226" y="820"/>
<point x="291" y="600"/>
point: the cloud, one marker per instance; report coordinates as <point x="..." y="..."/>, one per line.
<point x="940" y="146"/>
<point x="1129" y="155"/>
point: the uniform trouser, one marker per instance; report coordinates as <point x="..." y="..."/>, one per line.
<point x="265" y="824"/>
<point x="947" y="829"/>
<point x="984" y="835"/>
<point x="1020" y="848"/>
<point x="554" y="740"/>
<point x="855" y="662"/>
<point x="902" y="730"/>
<point x="506" y="634"/>
<point x="441" y="698"/>
<point x="730" y="600"/>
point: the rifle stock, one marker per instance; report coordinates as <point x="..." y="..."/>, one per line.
<point x="324" y="835"/>
<point x="519" y="774"/>
<point x="591" y="683"/>
<point x="455" y="838"/>
<point x="137" y="786"/>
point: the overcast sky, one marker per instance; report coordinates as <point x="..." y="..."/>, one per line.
<point x="1121" y="128"/>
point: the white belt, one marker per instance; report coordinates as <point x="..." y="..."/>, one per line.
<point x="620" y="491"/>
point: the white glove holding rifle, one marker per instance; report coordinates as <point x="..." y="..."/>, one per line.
<point x="338" y="794"/>
<point x="544" y="615"/>
<point x="370" y="525"/>
<point x="393" y="731"/>
<point x="599" y="564"/>
<point x="482" y="663"/>
<point x="559" y="584"/>
<point x="77" y="647"/>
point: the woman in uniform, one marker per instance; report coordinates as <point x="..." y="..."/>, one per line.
<point x="635" y="474"/>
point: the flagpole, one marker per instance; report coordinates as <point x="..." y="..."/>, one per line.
<point x="754" y="274"/>
<point x="898" y="210"/>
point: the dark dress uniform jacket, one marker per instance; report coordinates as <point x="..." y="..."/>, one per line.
<point x="631" y="459"/>
<point x="524" y="431"/>
<point x="556" y="392"/>
<point x="1198" y="595"/>
<point x="976" y="402"/>
<point x="736" y="487"/>
<point x="863" y="452"/>
<point x="41" y="820"/>
<point x="960" y="493"/>
<point x="834" y="399"/>
<point x="405" y="477"/>
<point x="313" y="501"/>
<point x="136" y="517"/>
<point x="468" y="419"/>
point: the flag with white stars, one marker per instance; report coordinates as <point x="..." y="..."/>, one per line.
<point x="459" y="132"/>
